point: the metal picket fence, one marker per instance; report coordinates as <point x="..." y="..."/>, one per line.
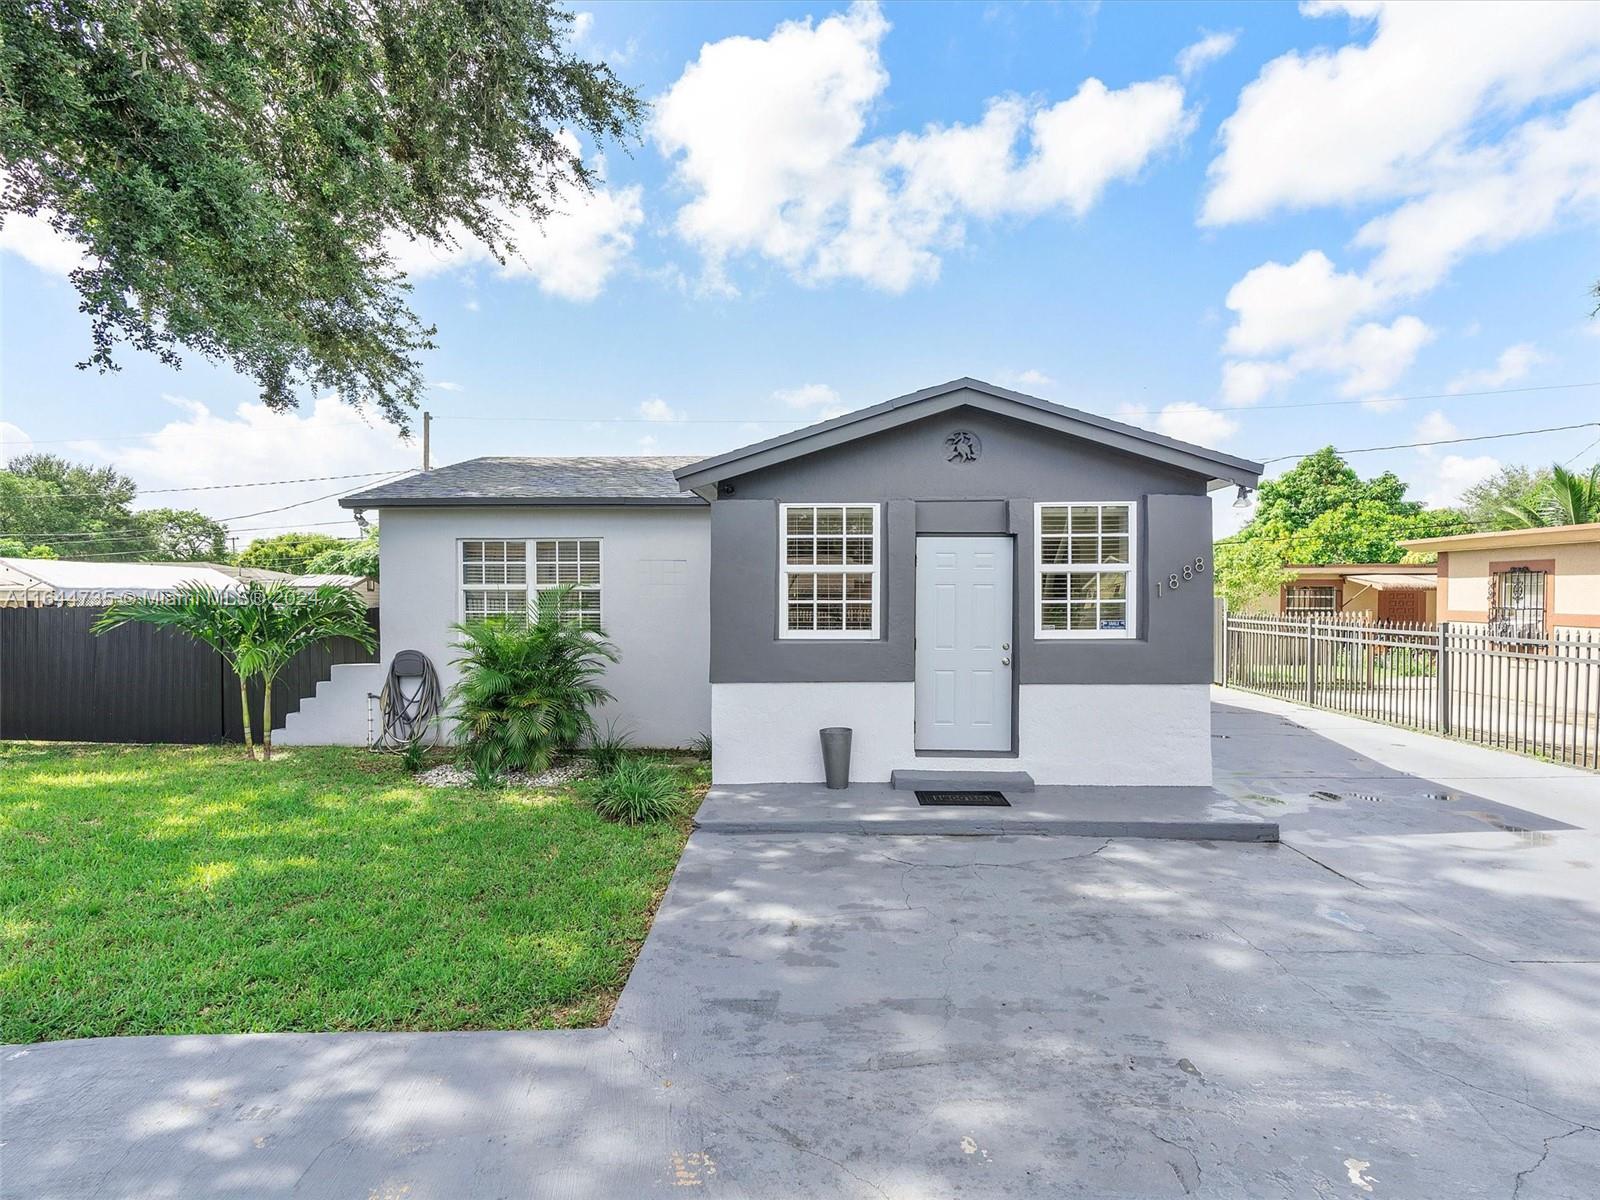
<point x="1538" y="696"/>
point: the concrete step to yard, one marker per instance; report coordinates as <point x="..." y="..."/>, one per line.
<point x="1172" y="813"/>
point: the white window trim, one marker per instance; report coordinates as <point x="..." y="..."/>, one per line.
<point x="1040" y="569"/>
<point x="785" y="569"/>
<point x="530" y="550"/>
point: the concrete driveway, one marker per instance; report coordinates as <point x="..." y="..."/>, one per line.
<point x="1400" y="1000"/>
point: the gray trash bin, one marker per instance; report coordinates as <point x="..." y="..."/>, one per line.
<point x="836" y="757"/>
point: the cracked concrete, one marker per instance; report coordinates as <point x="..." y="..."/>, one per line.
<point x="1401" y="1000"/>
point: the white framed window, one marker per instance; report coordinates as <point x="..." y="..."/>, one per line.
<point x="1087" y="583"/>
<point x="830" y="555"/>
<point x="496" y="578"/>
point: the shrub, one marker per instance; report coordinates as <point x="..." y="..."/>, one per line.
<point x="526" y="690"/>
<point x="637" y="791"/>
<point x="606" y="750"/>
<point x="701" y="746"/>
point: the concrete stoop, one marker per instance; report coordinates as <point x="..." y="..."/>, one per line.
<point x="1172" y="813"/>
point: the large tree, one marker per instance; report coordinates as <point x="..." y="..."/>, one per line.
<point x="290" y="552"/>
<point x="1563" y="498"/>
<point x="71" y="510"/>
<point x="1485" y="504"/>
<point x="233" y="170"/>
<point x="1322" y="511"/>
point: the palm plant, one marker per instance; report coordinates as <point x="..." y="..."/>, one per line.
<point x="526" y="689"/>
<point x="280" y="620"/>
<point x="1567" y="498"/>
<point x="197" y="612"/>
<point x="257" y="631"/>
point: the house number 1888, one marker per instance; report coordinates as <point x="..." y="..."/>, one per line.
<point x="1178" y="578"/>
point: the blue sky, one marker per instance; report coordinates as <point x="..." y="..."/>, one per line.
<point x="1196" y="217"/>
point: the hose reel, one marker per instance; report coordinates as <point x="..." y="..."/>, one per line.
<point x="410" y="700"/>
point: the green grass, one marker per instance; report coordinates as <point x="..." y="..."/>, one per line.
<point x="178" y="889"/>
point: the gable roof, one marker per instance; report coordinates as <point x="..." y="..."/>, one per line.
<point x="1221" y="469"/>
<point x="588" y="481"/>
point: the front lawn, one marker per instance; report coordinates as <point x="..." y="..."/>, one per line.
<point x="179" y="889"/>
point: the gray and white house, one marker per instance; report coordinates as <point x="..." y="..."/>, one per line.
<point x="970" y="578"/>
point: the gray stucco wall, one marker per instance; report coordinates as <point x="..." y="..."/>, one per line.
<point x="657" y="617"/>
<point x="908" y="472"/>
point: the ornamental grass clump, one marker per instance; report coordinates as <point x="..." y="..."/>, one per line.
<point x="526" y="690"/>
<point x="637" y="791"/>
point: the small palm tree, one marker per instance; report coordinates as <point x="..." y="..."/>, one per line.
<point x="257" y="631"/>
<point x="1568" y="498"/>
<point x="281" y="620"/>
<point x="526" y="691"/>
<point x="197" y="612"/>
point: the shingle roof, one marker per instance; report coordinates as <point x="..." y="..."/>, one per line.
<point x="599" y="480"/>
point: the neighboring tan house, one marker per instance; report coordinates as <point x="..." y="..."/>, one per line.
<point x="1525" y="582"/>
<point x="970" y="578"/>
<point x="1400" y="592"/>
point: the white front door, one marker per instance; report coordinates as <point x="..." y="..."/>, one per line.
<point x="964" y="630"/>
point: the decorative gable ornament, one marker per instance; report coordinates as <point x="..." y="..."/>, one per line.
<point x="963" y="446"/>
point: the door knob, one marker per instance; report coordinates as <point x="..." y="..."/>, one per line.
<point x="1005" y="645"/>
<point x="1005" y="662"/>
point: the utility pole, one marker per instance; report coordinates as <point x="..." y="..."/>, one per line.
<point x="427" y="429"/>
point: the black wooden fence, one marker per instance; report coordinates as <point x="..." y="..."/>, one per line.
<point x="59" y="682"/>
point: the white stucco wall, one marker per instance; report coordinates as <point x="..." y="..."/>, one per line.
<point x="658" y="616"/>
<point x="1127" y="734"/>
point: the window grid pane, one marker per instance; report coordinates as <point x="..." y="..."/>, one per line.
<point x="829" y="558"/>
<point x="1085" y="559"/>
<point x="495" y="577"/>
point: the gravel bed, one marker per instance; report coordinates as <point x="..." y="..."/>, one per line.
<point x="450" y="775"/>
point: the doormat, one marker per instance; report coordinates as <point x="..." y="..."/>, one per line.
<point x="976" y="799"/>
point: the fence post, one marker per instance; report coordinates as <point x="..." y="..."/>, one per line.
<point x="1442" y="678"/>
<point x="1224" y="680"/>
<point x="1311" y="660"/>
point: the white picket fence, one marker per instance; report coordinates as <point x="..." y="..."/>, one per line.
<point x="1538" y="696"/>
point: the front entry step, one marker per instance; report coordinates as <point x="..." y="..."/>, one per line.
<point x="961" y="781"/>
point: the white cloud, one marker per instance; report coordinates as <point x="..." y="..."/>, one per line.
<point x="1437" y="135"/>
<point x="36" y="241"/>
<point x="1513" y="364"/>
<point x="656" y="409"/>
<point x="445" y="385"/>
<point x="254" y="445"/>
<point x="813" y="396"/>
<point x="1376" y="119"/>
<point x="767" y="137"/>
<point x="1189" y="422"/>
<point x="1030" y="378"/>
<point x="582" y="25"/>
<point x="571" y="254"/>
<point x="1433" y="428"/>
<point x="14" y="442"/>
<point x="1443" y="485"/>
<point x="1207" y="50"/>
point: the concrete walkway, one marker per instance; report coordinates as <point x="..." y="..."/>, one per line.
<point x="1400" y="1000"/>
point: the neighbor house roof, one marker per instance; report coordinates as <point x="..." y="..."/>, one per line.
<point x="1408" y="581"/>
<point x="1222" y="469"/>
<point x="1548" y="535"/>
<point x="588" y="481"/>
<point x="67" y="581"/>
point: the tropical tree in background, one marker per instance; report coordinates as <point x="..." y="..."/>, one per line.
<point x="1565" y="498"/>
<point x="358" y="557"/>
<point x="239" y="175"/>
<point x="1484" y="504"/>
<point x="1322" y="511"/>
<point x="74" y="510"/>
<point x="256" y="629"/>
<point x="290" y="552"/>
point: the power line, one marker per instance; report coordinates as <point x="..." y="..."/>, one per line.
<point x="215" y="487"/>
<point x="1485" y="437"/>
<point x="302" y="503"/>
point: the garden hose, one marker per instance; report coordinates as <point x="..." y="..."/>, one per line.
<point x="407" y="714"/>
